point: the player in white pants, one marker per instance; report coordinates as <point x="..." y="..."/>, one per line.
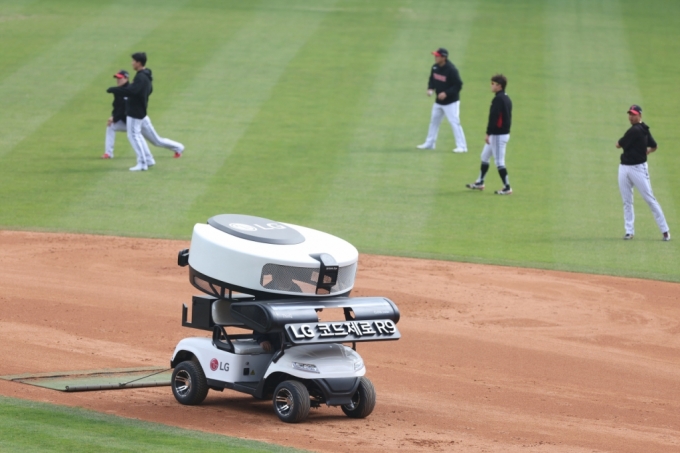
<point x="111" y="129"/>
<point x="116" y="122"/>
<point x="150" y="134"/>
<point x="637" y="144"/>
<point x="452" y="113"/>
<point x="497" y="136"/>
<point x="134" y="132"/>
<point x="147" y="131"/>
<point x="445" y="81"/>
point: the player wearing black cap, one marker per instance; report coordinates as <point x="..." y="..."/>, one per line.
<point x="637" y="144"/>
<point x="116" y="122"/>
<point x="445" y="81"/>
<point x="497" y="136"/>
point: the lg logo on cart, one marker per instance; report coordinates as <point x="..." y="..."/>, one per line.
<point x="214" y="365"/>
<point x="242" y="227"/>
<point x="255" y="227"/>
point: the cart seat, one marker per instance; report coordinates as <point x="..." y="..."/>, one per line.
<point x="247" y="346"/>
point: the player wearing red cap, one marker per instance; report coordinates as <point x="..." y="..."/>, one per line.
<point x="116" y="122"/>
<point x="637" y="144"/>
<point x="445" y="81"/>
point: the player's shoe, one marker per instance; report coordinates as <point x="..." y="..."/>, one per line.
<point x="107" y="156"/>
<point x="177" y="155"/>
<point x="667" y="236"/>
<point x="139" y="167"/>
<point x="628" y="237"/>
<point x="460" y="150"/>
<point x="425" y="146"/>
<point x="504" y="191"/>
<point x="475" y="186"/>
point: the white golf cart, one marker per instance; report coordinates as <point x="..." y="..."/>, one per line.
<point x="274" y="279"/>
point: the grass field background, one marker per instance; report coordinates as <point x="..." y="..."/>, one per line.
<point x="309" y="112"/>
<point x="27" y="426"/>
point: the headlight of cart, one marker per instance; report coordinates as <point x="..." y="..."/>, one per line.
<point x="359" y="364"/>
<point x="308" y="367"/>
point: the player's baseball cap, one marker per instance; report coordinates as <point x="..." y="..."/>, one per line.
<point x="441" y="52"/>
<point x="122" y="74"/>
<point x="635" y="109"/>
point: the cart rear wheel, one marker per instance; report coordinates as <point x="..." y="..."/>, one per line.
<point x="189" y="384"/>
<point x="363" y="401"/>
<point x="291" y="401"/>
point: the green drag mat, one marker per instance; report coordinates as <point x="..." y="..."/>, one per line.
<point x="105" y="379"/>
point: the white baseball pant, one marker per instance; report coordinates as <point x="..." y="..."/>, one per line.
<point x="150" y="134"/>
<point x="496" y="148"/>
<point x="134" y="133"/>
<point x="631" y="176"/>
<point x="118" y="126"/>
<point x="452" y="113"/>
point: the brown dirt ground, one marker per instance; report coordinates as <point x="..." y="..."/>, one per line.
<point x="492" y="359"/>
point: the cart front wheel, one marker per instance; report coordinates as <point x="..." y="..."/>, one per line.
<point x="189" y="384"/>
<point x="363" y="401"/>
<point x="291" y="401"/>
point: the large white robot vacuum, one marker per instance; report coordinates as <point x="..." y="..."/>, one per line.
<point x="266" y="259"/>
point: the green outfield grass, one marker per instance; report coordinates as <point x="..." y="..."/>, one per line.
<point x="309" y="112"/>
<point x="28" y="426"/>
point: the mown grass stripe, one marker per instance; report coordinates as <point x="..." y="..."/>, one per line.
<point x="22" y="21"/>
<point x="297" y="142"/>
<point x="42" y="86"/>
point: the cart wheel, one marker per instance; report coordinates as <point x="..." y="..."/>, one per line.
<point x="189" y="384"/>
<point x="291" y="401"/>
<point x="363" y="401"/>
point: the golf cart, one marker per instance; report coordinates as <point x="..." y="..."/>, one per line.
<point x="269" y="280"/>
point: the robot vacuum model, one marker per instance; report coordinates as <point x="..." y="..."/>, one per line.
<point x="273" y="279"/>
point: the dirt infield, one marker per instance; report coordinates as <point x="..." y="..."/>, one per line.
<point x="492" y="359"/>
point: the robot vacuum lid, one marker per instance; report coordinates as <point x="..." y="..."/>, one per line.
<point x="256" y="229"/>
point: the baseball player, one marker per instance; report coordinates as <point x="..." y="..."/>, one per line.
<point x="116" y="122"/>
<point x="497" y="135"/>
<point x="446" y="83"/>
<point x="637" y="144"/>
<point x="138" y="123"/>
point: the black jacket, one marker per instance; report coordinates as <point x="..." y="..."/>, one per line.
<point x="118" y="112"/>
<point x="635" y="142"/>
<point x="446" y="79"/>
<point x="137" y="93"/>
<point x="500" y="115"/>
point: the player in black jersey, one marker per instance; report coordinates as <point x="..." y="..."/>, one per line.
<point x="446" y="83"/>
<point x="637" y="144"/>
<point x="116" y="122"/>
<point x="497" y="136"/>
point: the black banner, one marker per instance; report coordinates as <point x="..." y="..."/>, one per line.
<point x="343" y="332"/>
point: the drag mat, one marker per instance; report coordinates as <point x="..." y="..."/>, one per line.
<point x="91" y="380"/>
<point x="492" y="359"/>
